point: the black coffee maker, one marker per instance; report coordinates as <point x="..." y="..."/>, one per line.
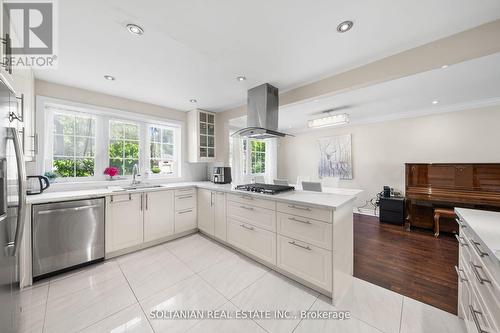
<point x="222" y="175"/>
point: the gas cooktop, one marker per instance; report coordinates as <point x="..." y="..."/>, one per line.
<point x="264" y="188"/>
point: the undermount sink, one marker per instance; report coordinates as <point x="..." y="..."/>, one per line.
<point x="137" y="187"/>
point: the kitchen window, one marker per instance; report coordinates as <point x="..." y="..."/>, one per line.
<point x="73" y="145"/>
<point x="253" y="157"/>
<point x="77" y="142"/>
<point x="162" y="150"/>
<point x="123" y="146"/>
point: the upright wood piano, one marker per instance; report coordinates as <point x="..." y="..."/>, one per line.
<point x="449" y="185"/>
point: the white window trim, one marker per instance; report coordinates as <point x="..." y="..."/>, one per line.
<point x="249" y="160"/>
<point x="104" y="115"/>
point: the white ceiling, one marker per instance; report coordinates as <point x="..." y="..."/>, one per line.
<point x="196" y="48"/>
<point x="466" y="85"/>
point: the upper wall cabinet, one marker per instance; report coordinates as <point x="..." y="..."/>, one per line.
<point x="201" y="136"/>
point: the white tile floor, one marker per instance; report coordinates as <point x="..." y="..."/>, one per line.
<point x="195" y="273"/>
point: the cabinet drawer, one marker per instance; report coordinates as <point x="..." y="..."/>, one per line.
<point x="305" y="211"/>
<point x="306" y="261"/>
<point x="185" y="201"/>
<point x="260" y="217"/>
<point x="185" y="191"/>
<point x="464" y="246"/>
<point x="250" y="200"/>
<point x="482" y="318"/>
<point x="185" y="220"/>
<point x="256" y="241"/>
<point x="311" y="231"/>
<point x="485" y="284"/>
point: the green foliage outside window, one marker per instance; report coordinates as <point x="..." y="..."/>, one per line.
<point x="123" y="146"/>
<point x="74" y="168"/>
<point x="258" y="156"/>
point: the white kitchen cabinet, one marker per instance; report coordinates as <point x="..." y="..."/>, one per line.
<point x="158" y="215"/>
<point x="185" y="210"/>
<point x="220" y="231"/>
<point x="201" y="136"/>
<point x="206" y="217"/>
<point x="253" y="240"/>
<point x="124" y="221"/>
<point x="212" y="213"/>
<point x="308" y="262"/>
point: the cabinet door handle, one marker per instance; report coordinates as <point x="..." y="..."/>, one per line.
<point x="461" y="240"/>
<point x="461" y="225"/>
<point x="474" y="314"/>
<point x="248" y="228"/>
<point x="185" y="211"/>
<point x="476" y="273"/>
<point x="478" y="250"/>
<point x="297" y="220"/>
<point x="300" y="208"/>
<point x="211" y="199"/>
<point x="301" y="246"/>
<point x="247" y="208"/>
<point x="147" y="201"/>
<point x="247" y="197"/>
<point x="459" y="271"/>
<point x="185" y="197"/>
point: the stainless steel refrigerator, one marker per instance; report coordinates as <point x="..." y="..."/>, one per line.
<point x="12" y="212"/>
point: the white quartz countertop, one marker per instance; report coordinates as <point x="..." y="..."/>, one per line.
<point x="485" y="224"/>
<point x="329" y="199"/>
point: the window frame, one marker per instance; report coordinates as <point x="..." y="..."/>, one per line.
<point x="246" y="157"/>
<point x="176" y="138"/>
<point x="103" y="116"/>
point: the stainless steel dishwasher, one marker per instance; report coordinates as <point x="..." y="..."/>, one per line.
<point x="66" y="235"/>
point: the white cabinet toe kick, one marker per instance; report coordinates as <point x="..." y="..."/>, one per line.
<point x="311" y="244"/>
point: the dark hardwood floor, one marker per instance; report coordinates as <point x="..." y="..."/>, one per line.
<point x="414" y="264"/>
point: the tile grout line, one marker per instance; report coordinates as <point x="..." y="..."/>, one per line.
<point x="309" y="309"/>
<point x="135" y="296"/>
<point x="46" y="307"/>
<point x="253" y="320"/>
<point x="111" y="314"/>
<point x="401" y="317"/>
<point x="227" y="299"/>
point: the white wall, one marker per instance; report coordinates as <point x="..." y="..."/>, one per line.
<point x="380" y="150"/>
<point x="42" y="88"/>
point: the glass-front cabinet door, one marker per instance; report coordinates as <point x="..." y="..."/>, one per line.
<point x="207" y="135"/>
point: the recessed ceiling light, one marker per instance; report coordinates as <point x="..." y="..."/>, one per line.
<point x="444" y="66"/>
<point x="435" y="102"/>
<point x="193" y="100"/>
<point x="241" y="78"/>
<point x="334" y="120"/>
<point x="109" y="77"/>
<point x="345" y="26"/>
<point x="135" y="29"/>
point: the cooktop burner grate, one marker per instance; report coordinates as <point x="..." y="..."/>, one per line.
<point x="264" y="188"/>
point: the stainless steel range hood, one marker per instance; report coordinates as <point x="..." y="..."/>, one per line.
<point x="262" y="114"/>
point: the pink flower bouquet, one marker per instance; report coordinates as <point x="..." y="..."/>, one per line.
<point x="111" y="172"/>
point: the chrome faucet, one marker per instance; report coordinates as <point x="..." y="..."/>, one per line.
<point x="135" y="171"/>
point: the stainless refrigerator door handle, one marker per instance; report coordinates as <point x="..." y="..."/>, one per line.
<point x="21" y="176"/>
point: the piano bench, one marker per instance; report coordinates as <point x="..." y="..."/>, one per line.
<point x="442" y="212"/>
